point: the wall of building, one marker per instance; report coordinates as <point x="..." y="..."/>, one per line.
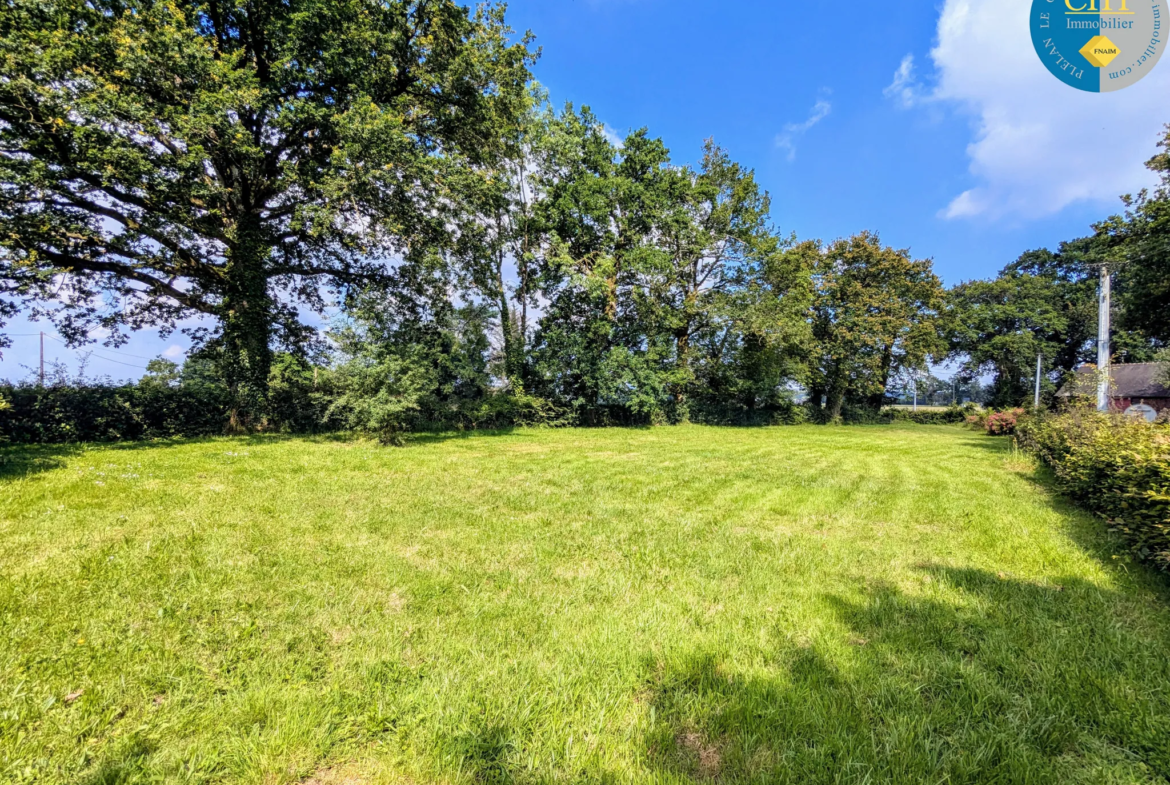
<point x="1158" y="404"/>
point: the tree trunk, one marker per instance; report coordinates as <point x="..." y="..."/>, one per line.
<point x="878" y="399"/>
<point x="247" y="329"/>
<point x="513" y="343"/>
<point x="682" y="413"/>
<point x="817" y="396"/>
<point x="835" y="404"/>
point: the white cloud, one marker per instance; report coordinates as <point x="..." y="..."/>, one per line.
<point x="787" y="138"/>
<point x="612" y="136"/>
<point x="1039" y="145"/>
<point x="905" y="87"/>
<point x="174" y="351"/>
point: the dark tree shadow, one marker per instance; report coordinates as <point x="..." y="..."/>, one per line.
<point x="1004" y="681"/>
<point x="23" y="460"/>
<point x="125" y="764"/>
<point x="1001" y="445"/>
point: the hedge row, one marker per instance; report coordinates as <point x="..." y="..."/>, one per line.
<point x="1116" y="466"/>
<point x="106" y="413"/>
<point x="952" y="415"/>
<point x="102" y="413"/>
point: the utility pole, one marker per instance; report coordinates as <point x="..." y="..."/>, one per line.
<point x="1103" y="350"/>
<point x="1039" y="362"/>
<point x="915" y="389"/>
<point x="41" y="377"/>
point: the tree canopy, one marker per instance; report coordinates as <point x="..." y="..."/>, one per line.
<point x="245" y="160"/>
<point x="232" y="158"/>
<point x="873" y="318"/>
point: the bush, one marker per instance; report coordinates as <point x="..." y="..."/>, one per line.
<point x="515" y="408"/>
<point x="781" y="411"/>
<point x="1118" y="467"/>
<point x="1003" y="423"/>
<point x="952" y="415"/>
<point x="105" y="413"/>
<point x="299" y="396"/>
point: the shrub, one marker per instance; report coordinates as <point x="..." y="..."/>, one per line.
<point x="780" y="411"/>
<point x="380" y="398"/>
<point x="952" y="415"/>
<point x="104" y="413"/>
<point x="299" y="396"/>
<point x="1116" y="466"/>
<point x="1003" y="423"/>
<point x="514" y="407"/>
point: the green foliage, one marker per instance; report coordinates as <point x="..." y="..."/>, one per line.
<point x="1001" y="325"/>
<point x="231" y="158"/>
<point x="169" y="400"/>
<point x="873" y="318"/>
<point x="299" y="396"/>
<point x="662" y="281"/>
<point x="1140" y="239"/>
<point x="409" y="360"/>
<point x="512" y="408"/>
<point x="106" y="413"/>
<point x="1118" y="467"/>
<point x="952" y="415"/>
<point x="381" y="397"/>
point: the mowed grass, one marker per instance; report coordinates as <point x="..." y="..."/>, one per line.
<point x="797" y="605"/>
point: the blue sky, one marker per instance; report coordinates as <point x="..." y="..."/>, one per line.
<point x="933" y="124"/>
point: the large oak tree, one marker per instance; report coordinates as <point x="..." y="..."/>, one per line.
<point x="874" y="316"/>
<point x="234" y="158"/>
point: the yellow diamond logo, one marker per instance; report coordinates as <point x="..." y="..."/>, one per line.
<point x="1100" y="51"/>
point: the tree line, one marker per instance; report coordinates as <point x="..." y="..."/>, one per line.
<point x="493" y="258"/>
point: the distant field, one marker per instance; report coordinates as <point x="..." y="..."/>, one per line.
<point x="895" y="604"/>
<point x="921" y="408"/>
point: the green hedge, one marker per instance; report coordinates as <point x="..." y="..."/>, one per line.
<point x="1118" y="467"/>
<point x="107" y="413"/>
<point x="952" y="415"/>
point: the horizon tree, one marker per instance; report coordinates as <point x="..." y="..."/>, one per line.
<point x="237" y="158"/>
<point x="1138" y="242"/>
<point x="873" y="316"/>
<point x="1001" y="325"/>
<point x="600" y="203"/>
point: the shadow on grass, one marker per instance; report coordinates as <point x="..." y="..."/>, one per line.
<point x="997" y="444"/>
<point x="977" y="678"/>
<point x="1011" y="682"/>
<point x="22" y="460"/>
<point x="484" y="753"/>
<point x="124" y="765"/>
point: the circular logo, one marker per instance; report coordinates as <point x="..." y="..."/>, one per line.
<point x="1099" y="45"/>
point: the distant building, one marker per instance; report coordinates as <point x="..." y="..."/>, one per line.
<point x="1135" y="389"/>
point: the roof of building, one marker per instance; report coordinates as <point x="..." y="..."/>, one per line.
<point x="1135" y="380"/>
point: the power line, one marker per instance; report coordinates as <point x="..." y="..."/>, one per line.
<point x="91" y="352"/>
<point x="94" y="352"/>
<point x="104" y="349"/>
<point x="119" y="362"/>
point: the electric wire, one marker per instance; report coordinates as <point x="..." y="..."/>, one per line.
<point x="94" y="352"/>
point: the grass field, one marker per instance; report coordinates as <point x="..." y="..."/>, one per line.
<point x="801" y="605"/>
